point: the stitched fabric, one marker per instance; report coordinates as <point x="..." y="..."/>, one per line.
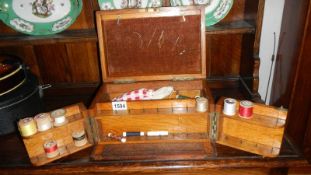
<point x="145" y="94"/>
<point x="140" y="94"/>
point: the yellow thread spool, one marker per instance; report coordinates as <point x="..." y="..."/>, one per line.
<point x="27" y="127"/>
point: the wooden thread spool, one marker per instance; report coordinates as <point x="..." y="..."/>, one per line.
<point x="27" y="127"/>
<point x="44" y="122"/>
<point x="229" y="106"/>
<point x="79" y="138"/>
<point x="59" y="117"/>
<point x="246" y="109"/>
<point x="51" y="149"/>
<point x="201" y="104"/>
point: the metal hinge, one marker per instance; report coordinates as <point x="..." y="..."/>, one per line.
<point x="213" y="126"/>
<point x="183" y="78"/>
<point x="92" y="128"/>
<point x="124" y="81"/>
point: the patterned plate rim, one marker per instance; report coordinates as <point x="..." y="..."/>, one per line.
<point x="11" y="19"/>
<point x="210" y="17"/>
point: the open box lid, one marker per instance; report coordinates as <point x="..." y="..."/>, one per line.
<point x="152" y="44"/>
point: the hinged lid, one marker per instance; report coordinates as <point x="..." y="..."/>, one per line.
<point x="152" y="44"/>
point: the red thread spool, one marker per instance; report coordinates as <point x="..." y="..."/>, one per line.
<point x="51" y="149"/>
<point x="246" y="109"/>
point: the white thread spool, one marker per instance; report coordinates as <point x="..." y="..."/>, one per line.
<point x="229" y="106"/>
<point x="44" y="122"/>
<point x="201" y="104"/>
<point x="79" y="138"/>
<point x="59" y="117"/>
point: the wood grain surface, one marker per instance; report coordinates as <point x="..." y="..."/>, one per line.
<point x="262" y="134"/>
<point x="189" y="88"/>
<point x="62" y="135"/>
<point x="157" y="52"/>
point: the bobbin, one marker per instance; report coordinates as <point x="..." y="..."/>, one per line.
<point x="246" y="109"/>
<point x="79" y="138"/>
<point x="201" y="104"/>
<point x="51" y="149"/>
<point x="27" y="127"/>
<point x="229" y="106"/>
<point x="59" y="117"/>
<point x="43" y="121"/>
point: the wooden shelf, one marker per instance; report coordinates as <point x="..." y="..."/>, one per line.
<point x="67" y="36"/>
<point x="90" y="35"/>
<point x="237" y="27"/>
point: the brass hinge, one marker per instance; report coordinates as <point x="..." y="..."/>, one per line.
<point x="214" y="126"/>
<point x="183" y="78"/>
<point x="93" y="129"/>
<point x="124" y="81"/>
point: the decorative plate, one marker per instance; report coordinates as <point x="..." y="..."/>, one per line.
<point x="39" y="17"/>
<point x="123" y="4"/>
<point x="215" y="10"/>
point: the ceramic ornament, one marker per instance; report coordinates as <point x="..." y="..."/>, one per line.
<point x="124" y="4"/>
<point x="39" y="17"/>
<point x="215" y="10"/>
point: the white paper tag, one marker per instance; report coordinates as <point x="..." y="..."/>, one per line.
<point x="119" y="105"/>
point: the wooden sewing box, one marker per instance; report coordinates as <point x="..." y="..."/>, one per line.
<point x="152" y="48"/>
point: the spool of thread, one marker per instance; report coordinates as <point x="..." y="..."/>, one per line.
<point x="201" y="104"/>
<point x="27" y="127"/>
<point x="59" y="117"/>
<point x="44" y="122"/>
<point x="51" y="149"/>
<point x="79" y="138"/>
<point x="246" y="109"/>
<point x="229" y="106"/>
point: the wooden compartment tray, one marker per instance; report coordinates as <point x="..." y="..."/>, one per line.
<point x="62" y="135"/>
<point x="177" y="117"/>
<point x="262" y="134"/>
